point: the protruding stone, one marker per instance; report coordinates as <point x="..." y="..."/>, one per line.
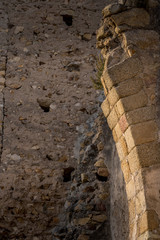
<point x="103" y="172"/>
<point x="99" y="218"/>
<point x="112" y="9"/>
<point x="100" y="163"/>
<point x="84" y="177"/>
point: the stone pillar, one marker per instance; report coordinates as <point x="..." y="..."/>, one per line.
<point x="130" y="47"/>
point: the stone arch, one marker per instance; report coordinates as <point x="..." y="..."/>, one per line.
<point x="130" y="47"/>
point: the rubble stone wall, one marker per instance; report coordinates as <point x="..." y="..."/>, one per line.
<point x="129" y="42"/>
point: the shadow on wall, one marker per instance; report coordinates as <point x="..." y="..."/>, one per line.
<point x="119" y="214"/>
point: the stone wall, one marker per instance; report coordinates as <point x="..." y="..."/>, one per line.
<point x="129" y="41"/>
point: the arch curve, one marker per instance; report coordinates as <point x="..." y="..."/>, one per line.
<point x="130" y="47"/>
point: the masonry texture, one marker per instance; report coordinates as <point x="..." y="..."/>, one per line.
<point x="129" y="39"/>
<point x="53" y="176"/>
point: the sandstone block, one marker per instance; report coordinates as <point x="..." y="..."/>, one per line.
<point x="126" y="170"/>
<point x="122" y="148"/>
<point x="118" y="131"/>
<point x="141" y="133"/>
<point x="141" y="115"/>
<point x="132" y="102"/>
<point x="141" y="38"/>
<point x="135" y="17"/>
<point x="105" y="108"/>
<point x="122" y="71"/>
<point x="123" y="123"/>
<point x="148" y="221"/>
<point x="139" y="185"/>
<point x="134" y="161"/>
<point x="130" y="189"/>
<point x="112" y="119"/>
<point x="129" y="87"/>
<point x="112" y="97"/>
<point x="140" y="202"/>
<point x="115" y="137"/>
<point x="132" y="210"/>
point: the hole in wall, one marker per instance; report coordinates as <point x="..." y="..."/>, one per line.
<point x="67" y="174"/>
<point x="68" y="19"/>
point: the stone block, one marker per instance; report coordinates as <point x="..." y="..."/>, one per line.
<point x="138" y="178"/>
<point x="132" y="102"/>
<point x="141" y="115"/>
<point x="148" y="221"/>
<point x="115" y="137"/>
<point x="149" y="154"/>
<point x="130" y="189"/>
<point x="105" y="108"/>
<point x="133" y="159"/>
<point x="122" y="148"/>
<point x="135" y="17"/>
<point x="140" y="202"/>
<point x="151" y="181"/>
<point x="122" y="71"/>
<point x="141" y="133"/>
<point x="129" y="87"/>
<point x="112" y="119"/>
<point x="126" y="171"/>
<point x="123" y="123"/>
<point x="118" y="131"/>
<point x="112" y="9"/>
<point x="113" y="97"/>
<point x="131" y="210"/>
<point x="142" y="38"/>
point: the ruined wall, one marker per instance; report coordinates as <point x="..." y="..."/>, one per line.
<point x="129" y="41"/>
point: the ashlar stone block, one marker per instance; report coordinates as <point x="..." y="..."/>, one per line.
<point x="141" y="133"/>
<point x="135" y="17"/>
<point x="122" y="71"/>
<point x="132" y="102"/>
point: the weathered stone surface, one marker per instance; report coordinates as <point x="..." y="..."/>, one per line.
<point x="144" y="39"/>
<point x="141" y="115"/>
<point x="122" y="148"/>
<point x="100" y="163"/>
<point x="126" y="170"/>
<point x="112" y="119"/>
<point x="135" y="17"/>
<point x="148" y="221"/>
<point x="105" y="107"/>
<point x="130" y="189"/>
<point x="122" y="71"/>
<point x="132" y="102"/>
<point x="141" y="133"/>
<point x="112" y="9"/>
<point x="129" y="87"/>
<point x="103" y="172"/>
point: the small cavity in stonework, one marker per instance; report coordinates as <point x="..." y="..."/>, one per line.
<point x="67" y="174"/>
<point x="101" y="178"/>
<point x="68" y="19"/>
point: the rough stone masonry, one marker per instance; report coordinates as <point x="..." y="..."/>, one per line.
<point x="53" y="175"/>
